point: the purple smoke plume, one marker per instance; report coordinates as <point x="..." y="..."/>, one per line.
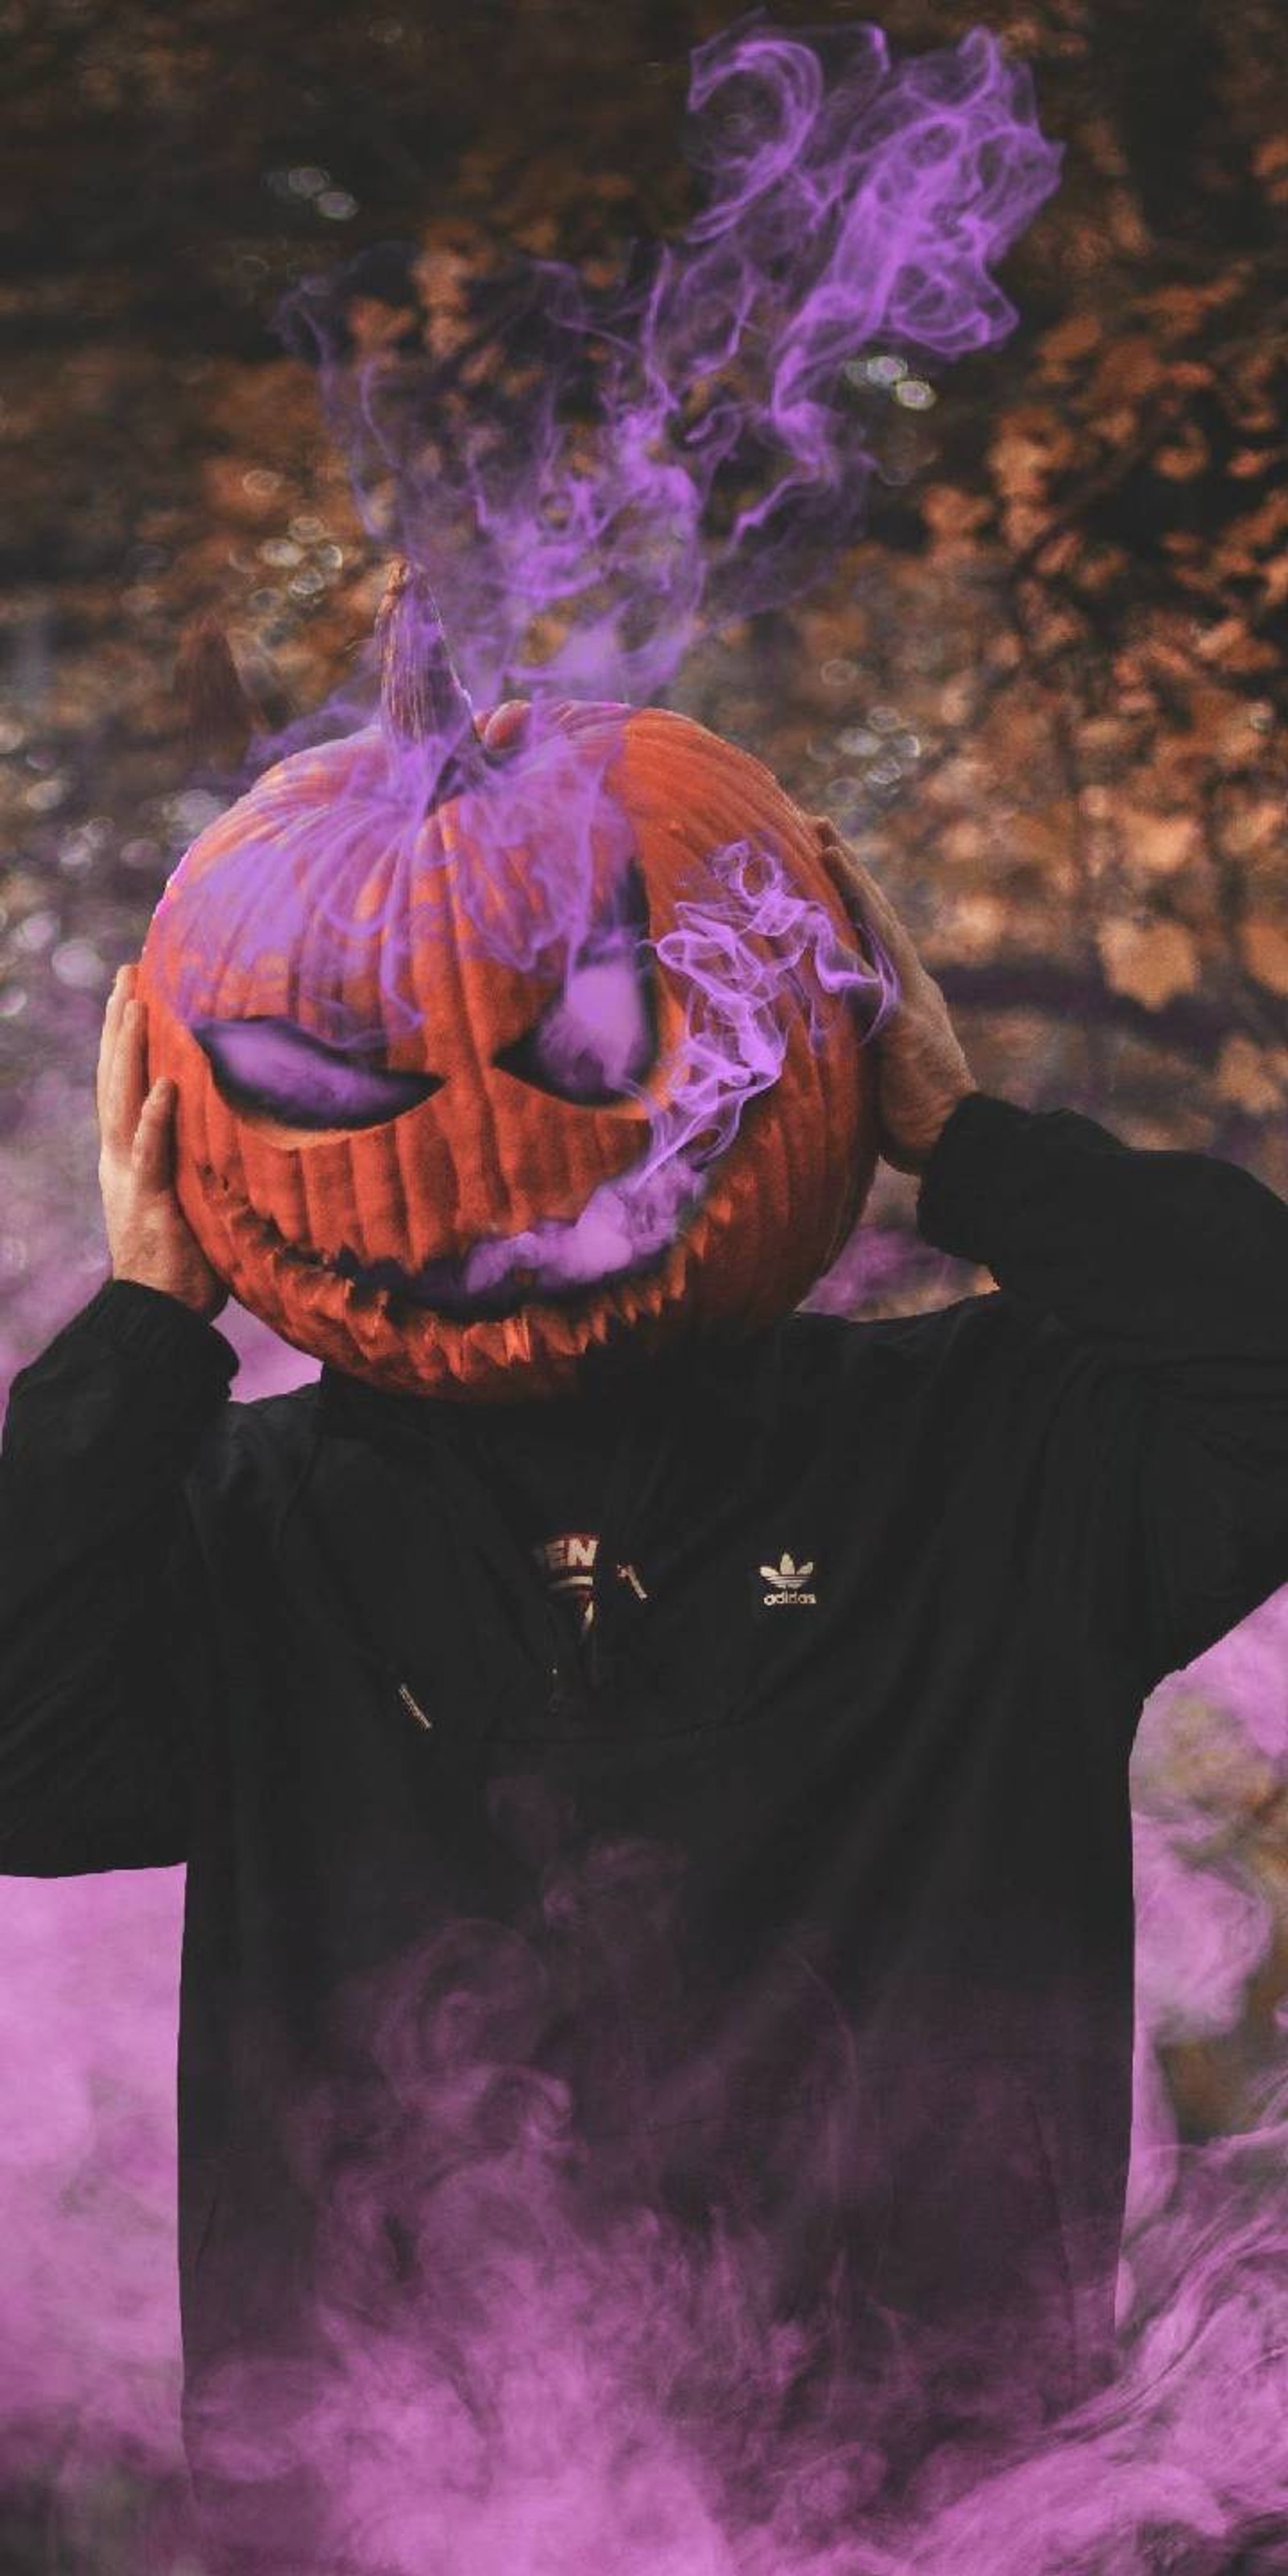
<point x="716" y="460"/>
<point x="565" y="2376"/>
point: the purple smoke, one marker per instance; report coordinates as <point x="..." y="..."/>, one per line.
<point x="564" y="2375"/>
<point x="852" y="202"/>
<point x="733" y="1048"/>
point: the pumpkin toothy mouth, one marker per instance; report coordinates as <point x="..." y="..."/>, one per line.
<point x="445" y="1286"/>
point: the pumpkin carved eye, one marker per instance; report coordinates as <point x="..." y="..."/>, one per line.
<point x="595" y="1042"/>
<point x="591" y="1046"/>
<point x="270" y="1064"/>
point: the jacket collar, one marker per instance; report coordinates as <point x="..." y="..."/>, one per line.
<point x="718" y="1371"/>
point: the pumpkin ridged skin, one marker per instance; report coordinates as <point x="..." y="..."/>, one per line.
<point x="488" y="1154"/>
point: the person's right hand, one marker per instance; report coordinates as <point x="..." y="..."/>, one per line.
<point x="148" y="1236"/>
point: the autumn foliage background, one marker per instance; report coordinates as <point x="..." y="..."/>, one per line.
<point x="1044" y="696"/>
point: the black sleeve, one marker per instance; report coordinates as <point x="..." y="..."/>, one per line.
<point x="101" y="1602"/>
<point x="1152" y="1416"/>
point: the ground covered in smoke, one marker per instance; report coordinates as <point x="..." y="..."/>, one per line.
<point x="1043" y="694"/>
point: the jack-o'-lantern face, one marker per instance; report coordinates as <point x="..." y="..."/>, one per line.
<point x="551" y="1064"/>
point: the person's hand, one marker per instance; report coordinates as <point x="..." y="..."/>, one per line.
<point x="921" y="1071"/>
<point x="148" y="1235"/>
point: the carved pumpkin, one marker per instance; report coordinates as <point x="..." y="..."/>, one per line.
<point x="433" y="1060"/>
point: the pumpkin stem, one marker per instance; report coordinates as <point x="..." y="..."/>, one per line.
<point x="422" y="698"/>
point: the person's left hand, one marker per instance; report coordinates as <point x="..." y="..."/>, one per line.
<point x="920" y="1068"/>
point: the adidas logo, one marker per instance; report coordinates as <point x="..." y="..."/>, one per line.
<point x="788" y="1581"/>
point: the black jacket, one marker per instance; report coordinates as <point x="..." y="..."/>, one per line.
<point x="807" y="1896"/>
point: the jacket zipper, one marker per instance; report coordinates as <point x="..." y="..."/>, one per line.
<point x="414" y="1705"/>
<point x="625" y="1574"/>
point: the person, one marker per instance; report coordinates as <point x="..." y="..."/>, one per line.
<point x="729" y="1760"/>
